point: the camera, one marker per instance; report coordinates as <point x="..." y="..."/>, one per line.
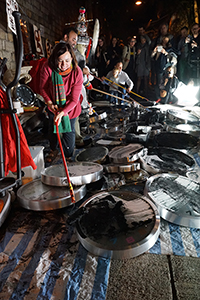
<point x="159" y="48"/>
<point x="190" y="37"/>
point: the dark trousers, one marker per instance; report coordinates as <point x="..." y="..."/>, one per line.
<point x="68" y="138"/>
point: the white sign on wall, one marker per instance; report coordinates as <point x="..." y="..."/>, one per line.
<point x="38" y="41"/>
<point x="11" y="5"/>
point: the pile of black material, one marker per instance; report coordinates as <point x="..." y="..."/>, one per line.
<point x="151" y="116"/>
<point x="104" y="217"/>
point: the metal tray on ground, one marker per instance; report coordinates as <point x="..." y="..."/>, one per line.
<point x="112" y="240"/>
<point x="6" y="207"/>
<point x="79" y="172"/>
<point x="92" y="154"/>
<point x="116" y="132"/>
<point x="177" y="198"/>
<point x="163" y="159"/>
<point x="41" y="197"/>
<point x="139" y="136"/>
<point x="105" y="142"/>
<point x="179" y="117"/>
<point x="189" y="129"/>
<point x="126" y="154"/>
<point x="177" y="140"/>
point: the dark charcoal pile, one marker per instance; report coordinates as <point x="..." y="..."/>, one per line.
<point x="106" y="217"/>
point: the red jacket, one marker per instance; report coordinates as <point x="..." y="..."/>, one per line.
<point x="73" y="85"/>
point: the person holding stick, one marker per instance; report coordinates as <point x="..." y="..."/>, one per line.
<point x="60" y="85"/>
<point x="123" y="79"/>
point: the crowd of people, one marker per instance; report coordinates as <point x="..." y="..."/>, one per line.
<point x="147" y="61"/>
<point x="142" y="63"/>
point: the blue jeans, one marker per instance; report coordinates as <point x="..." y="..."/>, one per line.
<point x="114" y="100"/>
<point x="68" y="138"/>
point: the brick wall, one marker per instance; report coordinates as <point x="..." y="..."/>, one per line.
<point x="48" y="15"/>
<point x="7" y="48"/>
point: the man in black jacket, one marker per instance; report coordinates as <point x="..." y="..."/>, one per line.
<point x="192" y="52"/>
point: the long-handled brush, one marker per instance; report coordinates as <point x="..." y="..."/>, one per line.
<point x="65" y="166"/>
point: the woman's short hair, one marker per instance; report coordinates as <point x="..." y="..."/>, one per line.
<point x="131" y="38"/>
<point x="58" y="50"/>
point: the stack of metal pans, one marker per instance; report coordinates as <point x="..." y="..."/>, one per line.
<point x="125" y="159"/>
<point x="122" y="168"/>
<point x="126" y="154"/>
<point x="52" y="192"/>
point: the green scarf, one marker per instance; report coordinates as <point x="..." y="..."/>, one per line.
<point x="60" y="97"/>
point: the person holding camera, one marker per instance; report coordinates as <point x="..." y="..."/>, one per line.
<point x="159" y="55"/>
<point x="168" y="85"/>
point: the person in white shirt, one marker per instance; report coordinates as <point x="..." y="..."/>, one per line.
<point x="123" y="79"/>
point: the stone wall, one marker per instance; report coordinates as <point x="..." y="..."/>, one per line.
<point x="49" y="16"/>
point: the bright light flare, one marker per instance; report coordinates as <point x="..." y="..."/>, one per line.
<point x="186" y="94"/>
<point x="138" y="2"/>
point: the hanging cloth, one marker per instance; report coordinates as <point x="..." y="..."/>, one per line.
<point x="9" y="140"/>
<point x="60" y="98"/>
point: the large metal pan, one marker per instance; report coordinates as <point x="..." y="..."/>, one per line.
<point x="104" y="234"/>
<point x="92" y="154"/>
<point x="41" y="197"/>
<point x="162" y="159"/>
<point x="79" y="172"/>
<point x="177" y="198"/>
<point x="182" y="117"/>
<point x="189" y="129"/>
<point x="177" y="140"/>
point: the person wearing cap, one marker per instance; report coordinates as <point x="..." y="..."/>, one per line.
<point x="129" y="58"/>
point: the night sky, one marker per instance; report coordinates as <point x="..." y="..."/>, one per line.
<point x="124" y="17"/>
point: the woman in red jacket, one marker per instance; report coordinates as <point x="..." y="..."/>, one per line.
<point x="60" y="85"/>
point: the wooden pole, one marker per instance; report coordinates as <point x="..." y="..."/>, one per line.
<point x="124" y="88"/>
<point x="118" y="97"/>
